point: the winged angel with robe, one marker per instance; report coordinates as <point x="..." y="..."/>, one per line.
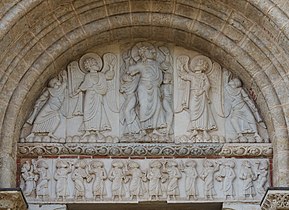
<point x="95" y="80"/>
<point x="199" y="87"/>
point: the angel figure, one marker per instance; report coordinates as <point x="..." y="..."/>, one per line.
<point x="151" y="113"/>
<point x="46" y="114"/>
<point x="79" y="175"/>
<point x="137" y="177"/>
<point x="42" y="189"/>
<point x="95" y="86"/>
<point x="98" y="171"/>
<point x="241" y="111"/>
<point x="197" y="99"/>
<point x="191" y="177"/>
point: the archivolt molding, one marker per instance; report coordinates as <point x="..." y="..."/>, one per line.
<point x="216" y="30"/>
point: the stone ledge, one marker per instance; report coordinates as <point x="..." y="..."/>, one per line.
<point x="12" y="199"/>
<point x="276" y="198"/>
<point x="147" y="149"/>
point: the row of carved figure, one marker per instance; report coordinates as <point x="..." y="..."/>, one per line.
<point x="161" y="178"/>
<point x="143" y="99"/>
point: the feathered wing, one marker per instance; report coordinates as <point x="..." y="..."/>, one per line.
<point x="183" y="87"/>
<point x="75" y="78"/>
<point x="112" y="76"/>
<point x="216" y="94"/>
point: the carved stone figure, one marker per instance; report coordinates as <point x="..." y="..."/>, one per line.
<point x="117" y="176"/>
<point x="129" y="118"/>
<point x="167" y="101"/>
<point x="100" y="175"/>
<point x="79" y="176"/>
<point x="151" y="113"/>
<point x="42" y="187"/>
<point x="27" y="174"/>
<point x="154" y="176"/>
<point x="63" y="168"/>
<point x="95" y="87"/>
<point x="137" y="177"/>
<point x="227" y="176"/>
<point x="248" y="177"/>
<point x="241" y="111"/>
<point x="191" y="177"/>
<point x="46" y="114"/>
<point x="174" y="175"/>
<point x="262" y="174"/>
<point x="198" y="100"/>
<point x="210" y="167"/>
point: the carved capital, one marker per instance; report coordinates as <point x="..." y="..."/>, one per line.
<point x="276" y="198"/>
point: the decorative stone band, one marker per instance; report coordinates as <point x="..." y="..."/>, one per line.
<point x="167" y="150"/>
<point x="12" y="198"/>
<point x="276" y="198"/>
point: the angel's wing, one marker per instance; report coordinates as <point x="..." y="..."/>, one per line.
<point x="183" y="87"/>
<point x="215" y="77"/>
<point x="165" y="59"/>
<point x="75" y="78"/>
<point x="112" y="75"/>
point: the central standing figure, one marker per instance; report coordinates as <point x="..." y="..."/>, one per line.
<point x="151" y="112"/>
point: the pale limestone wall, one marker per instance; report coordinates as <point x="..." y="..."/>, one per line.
<point x="39" y="38"/>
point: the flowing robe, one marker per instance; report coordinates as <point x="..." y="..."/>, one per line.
<point x="48" y="118"/>
<point x="136" y="184"/>
<point x="98" y="187"/>
<point x="61" y="181"/>
<point x="242" y="118"/>
<point x="191" y="176"/>
<point x="201" y="117"/>
<point x="173" y="185"/>
<point x="154" y="177"/>
<point x="151" y="112"/>
<point x="95" y="117"/>
<point x="117" y="177"/>
<point x="42" y="186"/>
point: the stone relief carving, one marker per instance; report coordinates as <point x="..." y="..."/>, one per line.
<point x="99" y="174"/>
<point x="248" y="177"/>
<point x="78" y="180"/>
<point x="63" y="168"/>
<point x="44" y="176"/>
<point x="144" y="92"/>
<point x="191" y="174"/>
<point x="27" y="174"/>
<point x="227" y="175"/>
<point x="171" y="150"/>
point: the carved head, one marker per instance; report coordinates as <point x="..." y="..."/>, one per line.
<point x="97" y="164"/>
<point x="200" y="63"/>
<point x="25" y="167"/>
<point x="54" y="83"/>
<point x="117" y="164"/>
<point x="190" y="163"/>
<point x="90" y="62"/>
<point x="172" y="163"/>
<point x="42" y="164"/>
<point x="156" y="164"/>
<point x="61" y="164"/>
<point x="133" y="165"/>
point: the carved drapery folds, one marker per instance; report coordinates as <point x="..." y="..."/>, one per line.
<point x="138" y="179"/>
<point x="144" y="92"/>
<point x="149" y="101"/>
